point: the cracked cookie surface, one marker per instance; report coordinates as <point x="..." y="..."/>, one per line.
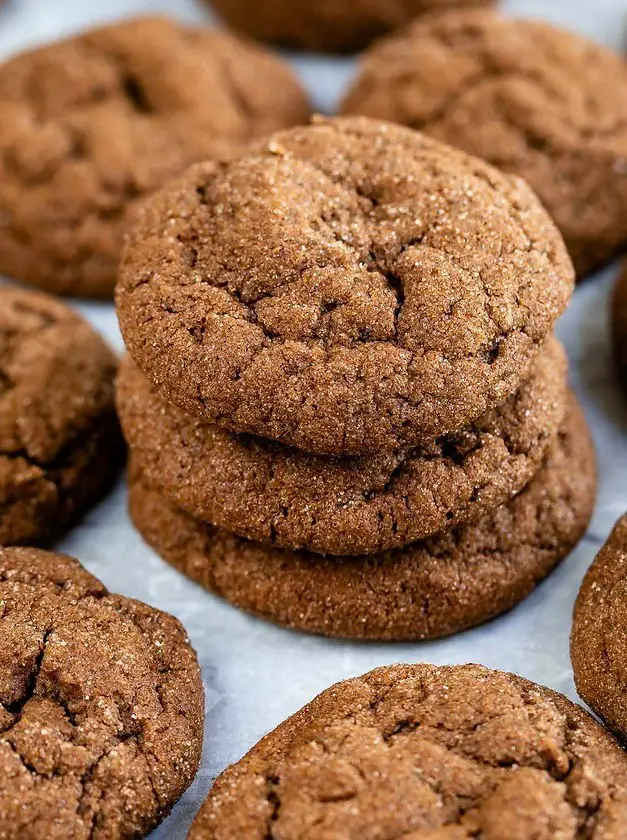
<point x="93" y="124"/>
<point x="430" y="589"/>
<point x="326" y="25"/>
<point x="101" y="705"/>
<point x="362" y="505"/>
<point x="60" y="444"/>
<point x="618" y="317"/>
<point x="530" y="98"/>
<point x="598" y="645"/>
<point x="349" y="287"/>
<point x="426" y="753"/>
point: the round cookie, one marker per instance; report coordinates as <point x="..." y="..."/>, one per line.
<point x="101" y="705"/>
<point x="350" y="287"/>
<point x="598" y="642"/>
<point x="93" y="124"/>
<point x="618" y="317"/>
<point x="60" y="443"/>
<point x="426" y="753"/>
<point x="336" y="26"/>
<point x="431" y="589"/>
<point x="285" y="497"/>
<point x="530" y="98"/>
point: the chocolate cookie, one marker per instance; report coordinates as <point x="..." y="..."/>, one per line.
<point x="93" y="124"/>
<point x="529" y="98"/>
<point x="60" y="443"/>
<point x="286" y="497"/>
<point x="326" y="25"/>
<point x="431" y="589"/>
<point x="350" y="287"/>
<point x="598" y="642"/>
<point x="618" y="318"/>
<point x="426" y="753"/>
<point x="101" y="705"/>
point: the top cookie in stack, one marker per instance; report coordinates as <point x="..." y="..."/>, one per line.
<point x="349" y="287"/>
<point x="342" y="344"/>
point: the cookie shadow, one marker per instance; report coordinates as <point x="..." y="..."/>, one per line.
<point x="593" y="363"/>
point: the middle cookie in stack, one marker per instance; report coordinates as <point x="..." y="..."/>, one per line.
<point x="385" y="304"/>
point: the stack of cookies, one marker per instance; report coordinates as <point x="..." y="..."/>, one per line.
<point x="345" y="407"/>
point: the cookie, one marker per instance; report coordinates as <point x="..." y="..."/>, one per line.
<point x="93" y="124"/>
<point x="60" y="443"/>
<point x="362" y="505"/>
<point x="426" y="753"/>
<point x="336" y="26"/>
<point x="530" y="98"/>
<point x="598" y="639"/>
<point x="350" y="287"/>
<point x="101" y="705"/>
<point x="618" y="319"/>
<point x="428" y="590"/>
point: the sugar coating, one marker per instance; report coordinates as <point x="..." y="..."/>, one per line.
<point x="60" y="443"/>
<point x="285" y="497"/>
<point x="532" y="99"/>
<point x="101" y="705"/>
<point x="598" y="641"/>
<point x="349" y="287"/>
<point x="426" y="753"/>
<point x="433" y="588"/>
<point x="94" y="123"/>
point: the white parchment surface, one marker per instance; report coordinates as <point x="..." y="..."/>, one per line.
<point x="255" y="674"/>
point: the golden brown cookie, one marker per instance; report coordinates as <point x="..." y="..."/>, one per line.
<point x="285" y="497"/>
<point x="349" y="287"/>
<point x="93" y="124"/>
<point x="430" y="589"/>
<point x="60" y="443"/>
<point x="338" y="26"/>
<point x="101" y="705"/>
<point x="528" y="97"/>
<point x="618" y="318"/>
<point x="598" y="644"/>
<point x="422" y="752"/>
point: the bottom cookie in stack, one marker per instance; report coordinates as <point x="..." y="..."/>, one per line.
<point x="430" y="589"/>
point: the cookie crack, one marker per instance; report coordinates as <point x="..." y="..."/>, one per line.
<point x="368" y="259"/>
<point x="272" y="798"/>
<point x="17" y="707"/>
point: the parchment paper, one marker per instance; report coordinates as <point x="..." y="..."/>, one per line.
<point x="255" y="675"/>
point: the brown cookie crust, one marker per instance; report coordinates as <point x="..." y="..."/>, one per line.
<point x="93" y="124"/>
<point x="530" y="98"/>
<point x="101" y="705"/>
<point x="426" y="753"/>
<point x="285" y="497"/>
<point x="350" y="287"/>
<point x="335" y="26"/>
<point x="618" y="320"/>
<point x="431" y="589"/>
<point x="60" y="444"/>
<point x="598" y="639"/>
